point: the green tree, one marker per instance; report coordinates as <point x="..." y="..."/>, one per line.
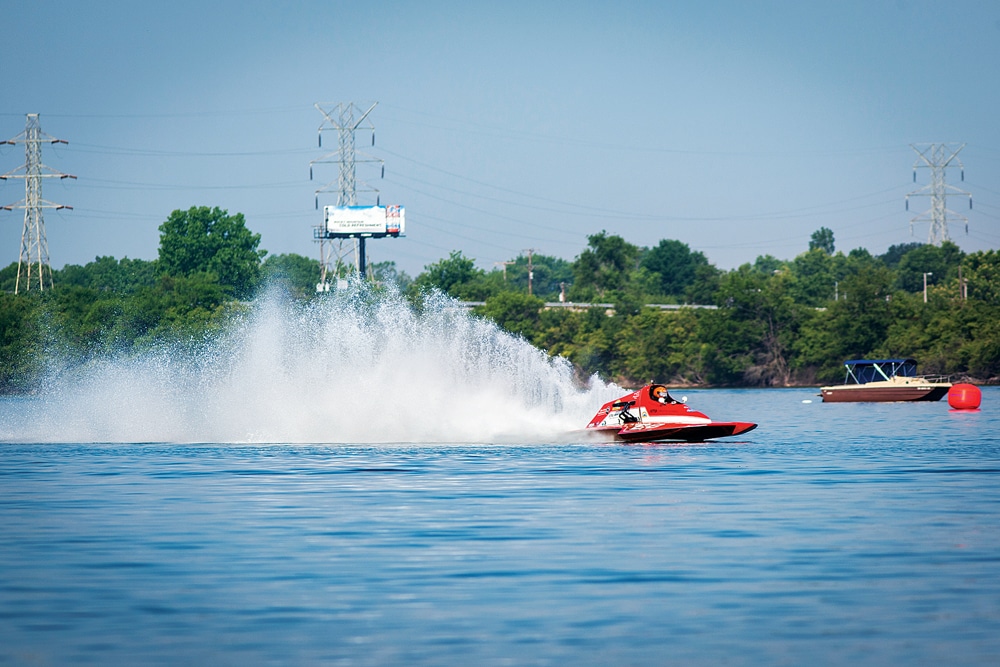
<point x="895" y="253"/>
<point x="816" y="352"/>
<point x="296" y="274"/>
<point x="705" y="286"/>
<point x="822" y="239"/>
<point x="749" y="338"/>
<point x="676" y="264"/>
<point x="556" y="329"/>
<point x="860" y="320"/>
<point x="941" y="262"/>
<point x="209" y="240"/>
<point x="20" y="343"/>
<point x="662" y="346"/>
<point x="89" y="322"/>
<point x="816" y="274"/>
<point x="982" y="351"/>
<point x="768" y="264"/>
<point x="594" y="346"/>
<point x="86" y="320"/>
<point x="982" y="271"/>
<point x="604" y="266"/>
<point x="456" y="276"/>
<point x="8" y="278"/>
<point x="179" y="308"/>
<point x="123" y="276"/>
<point x="516" y="312"/>
<point x="549" y="274"/>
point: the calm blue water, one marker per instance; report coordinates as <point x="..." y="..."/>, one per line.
<point x="834" y="534"/>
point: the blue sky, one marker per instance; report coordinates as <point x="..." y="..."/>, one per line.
<point x="738" y="128"/>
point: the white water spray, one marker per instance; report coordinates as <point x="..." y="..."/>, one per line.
<point x="353" y="368"/>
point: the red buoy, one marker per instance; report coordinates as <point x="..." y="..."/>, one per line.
<point x="964" y="396"/>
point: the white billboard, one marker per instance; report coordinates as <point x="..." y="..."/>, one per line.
<point x="359" y="220"/>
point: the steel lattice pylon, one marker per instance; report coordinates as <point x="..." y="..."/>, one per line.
<point x="33" y="268"/>
<point x="937" y="158"/>
<point x="341" y="117"/>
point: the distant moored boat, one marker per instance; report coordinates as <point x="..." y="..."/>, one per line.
<point x="885" y="380"/>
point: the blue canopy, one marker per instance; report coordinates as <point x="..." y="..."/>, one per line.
<point x="855" y="362"/>
<point x="861" y="371"/>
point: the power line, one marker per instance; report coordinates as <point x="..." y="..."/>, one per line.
<point x="153" y="152"/>
<point x="535" y="137"/>
<point x="180" y="114"/>
<point x="603" y="212"/>
<point x="98" y="183"/>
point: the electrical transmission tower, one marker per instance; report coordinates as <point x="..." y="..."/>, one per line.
<point x="937" y="158"/>
<point x="346" y="118"/>
<point x="33" y="269"/>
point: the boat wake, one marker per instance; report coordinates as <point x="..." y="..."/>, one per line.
<point x="356" y="367"/>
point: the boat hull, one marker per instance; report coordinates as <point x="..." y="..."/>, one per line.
<point x="682" y="432"/>
<point x="675" y="432"/>
<point x="885" y="381"/>
<point x="870" y="394"/>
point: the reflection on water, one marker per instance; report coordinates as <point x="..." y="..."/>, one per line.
<point x="835" y="534"/>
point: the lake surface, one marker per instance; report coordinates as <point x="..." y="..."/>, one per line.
<point x="833" y="534"/>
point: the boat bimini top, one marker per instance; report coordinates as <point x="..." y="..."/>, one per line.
<point x="862" y="371"/>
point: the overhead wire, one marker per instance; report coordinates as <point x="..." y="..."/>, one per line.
<point x="242" y="111"/>
<point x="449" y="194"/>
<point x="646" y="148"/>
<point x="598" y="211"/>
<point x="99" y="149"/>
<point x="483" y="211"/>
<point x="98" y="183"/>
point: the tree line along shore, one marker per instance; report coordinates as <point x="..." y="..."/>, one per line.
<point x="770" y="323"/>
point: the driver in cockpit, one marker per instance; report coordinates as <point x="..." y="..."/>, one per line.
<point x="660" y="394"/>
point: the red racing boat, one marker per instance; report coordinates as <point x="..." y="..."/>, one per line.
<point x="650" y="414"/>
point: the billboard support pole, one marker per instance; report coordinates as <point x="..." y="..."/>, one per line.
<point x="361" y="223"/>
<point x="361" y="257"/>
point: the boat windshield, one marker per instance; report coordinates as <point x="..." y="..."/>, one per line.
<point x="861" y="371"/>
